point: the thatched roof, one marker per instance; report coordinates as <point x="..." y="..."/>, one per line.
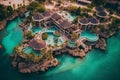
<point x="65" y="24"/>
<point x="99" y="9"/>
<point x="55" y="16"/>
<point x="46" y="14"/>
<point x="37" y="43"/>
<point x="87" y="21"/>
<point x="37" y="16"/>
<point x="93" y="20"/>
<point x="102" y="14"/>
<point x="83" y="21"/>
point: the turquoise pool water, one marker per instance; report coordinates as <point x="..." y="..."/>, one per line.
<point x="28" y="50"/>
<point x="97" y="65"/>
<point x="51" y="40"/>
<point x="51" y="37"/>
<point x="89" y="35"/>
<point x="71" y="43"/>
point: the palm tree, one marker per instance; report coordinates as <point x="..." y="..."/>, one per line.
<point x="23" y="2"/>
<point x="14" y="6"/>
<point x="30" y="1"/>
<point x="9" y="3"/>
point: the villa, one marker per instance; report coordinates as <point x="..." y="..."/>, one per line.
<point x="87" y="23"/>
<point x="37" y="43"/>
<point x="101" y="12"/>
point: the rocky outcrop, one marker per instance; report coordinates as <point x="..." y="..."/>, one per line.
<point x="101" y="44"/>
<point x="0" y="46"/>
<point x="12" y="17"/>
<point x="28" y="66"/>
<point x="2" y="24"/>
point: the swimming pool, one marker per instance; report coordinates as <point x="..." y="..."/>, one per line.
<point x="54" y="40"/>
<point x="89" y="36"/>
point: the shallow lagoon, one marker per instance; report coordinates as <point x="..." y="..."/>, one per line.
<point x="97" y="65"/>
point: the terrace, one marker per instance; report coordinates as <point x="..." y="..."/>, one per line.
<point x="84" y="2"/>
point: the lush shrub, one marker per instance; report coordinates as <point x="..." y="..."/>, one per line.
<point x="44" y="36"/>
<point x="74" y="10"/>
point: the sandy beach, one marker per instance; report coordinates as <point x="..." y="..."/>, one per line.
<point x="16" y="2"/>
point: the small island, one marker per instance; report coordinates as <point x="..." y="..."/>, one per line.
<point x="55" y="28"/>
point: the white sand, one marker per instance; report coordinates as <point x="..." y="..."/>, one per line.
<point x="16" y="2"/>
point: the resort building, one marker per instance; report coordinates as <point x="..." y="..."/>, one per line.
<point x="114" y="5"/>
<point x="87" y="23"/>
<point x="64" y="26"/>
<point x="101" y="12"/>
<point x="37" y="43"/>
<point x="38" y="19"/>
<point x="84" y="2"/>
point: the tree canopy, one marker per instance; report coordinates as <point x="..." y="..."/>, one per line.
<point x="5" y="11"/>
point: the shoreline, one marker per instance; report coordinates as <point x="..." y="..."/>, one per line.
<point x="29" y="63"/>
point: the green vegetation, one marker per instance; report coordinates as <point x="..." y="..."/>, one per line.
<point x="98" y="2"/>
<point x="57" y="33"/>
<point x="44" y="36"/>
<point x="5" y="11"/>
<point x="36" y="7"/>
<point x="74" y="10"/>
<point x="74" y="36"/>
<point x="28" y="35"/>
<point x="40" y="8"/>
<point x="32" y="6"/>
<point x="73" y="0"/>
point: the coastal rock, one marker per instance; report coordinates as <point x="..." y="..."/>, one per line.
<point x="21" y="65"/>
<point x="3" y="24"/>
<point x="75" y="53"/>
<point x="101" y="44"/>
<point x="34" y="68"/>
<point x="0" y="46"/>
<point x="25" y="70"/>
<point x="14" y="64"/>
<point x="12" y="17"/>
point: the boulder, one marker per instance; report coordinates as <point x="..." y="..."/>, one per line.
<point x="21" y="65"/>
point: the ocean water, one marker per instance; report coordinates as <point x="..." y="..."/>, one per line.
<point x="97" y="65"/>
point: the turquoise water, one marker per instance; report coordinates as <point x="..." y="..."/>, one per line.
<point x="71" y="43"/>
<point x="14" y="37"/>
<point x="51" y="40"/>
<point x="28" y="50"/>
<point x="97" y="65"/>
<point x="51" y="37"/>
<point x="89" y="35"/>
